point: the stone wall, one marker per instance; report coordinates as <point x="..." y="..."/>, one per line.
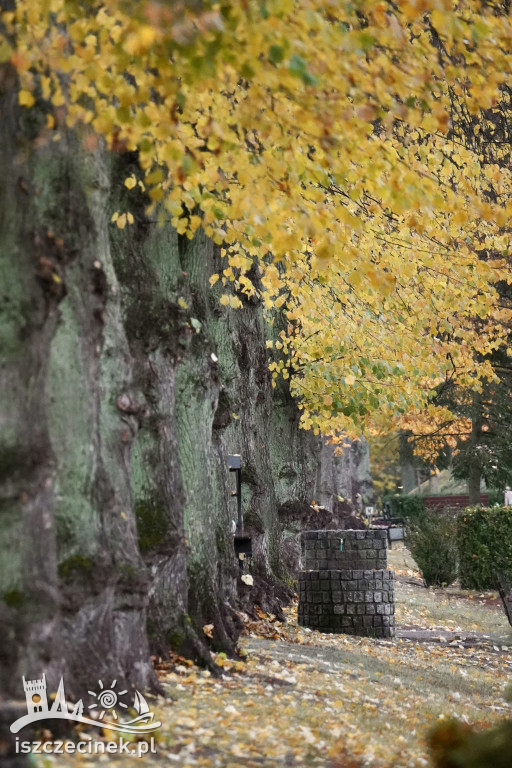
<point x="345" y="586"/>
<point x="340" y="550"/>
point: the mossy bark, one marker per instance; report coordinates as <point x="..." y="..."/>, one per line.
<point x="125" y="386"/>
<point x="68" y="541"/>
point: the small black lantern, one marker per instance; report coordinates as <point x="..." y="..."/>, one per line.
<point x="235" y="465"/>
<point x="242" y="542"/>
<point x="243" y="545"/>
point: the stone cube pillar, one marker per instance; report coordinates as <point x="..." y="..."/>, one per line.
<point x="345" y="585"/>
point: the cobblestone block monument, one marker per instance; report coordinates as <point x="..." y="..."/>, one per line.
<point x="345" y="585"/>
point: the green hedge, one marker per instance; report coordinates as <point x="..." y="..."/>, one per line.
<point x="410" y="506"/>
<point x="405" y="506"/>
<point x="496" y="496"/>
<point x="484" y="539"/>
<point x="432" y="542"/>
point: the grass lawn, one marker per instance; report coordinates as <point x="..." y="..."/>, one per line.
<point x="303" y="698"/>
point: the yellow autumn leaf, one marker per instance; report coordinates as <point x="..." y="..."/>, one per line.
<point x="26" y="99"/>
<point x="208" y="630"/>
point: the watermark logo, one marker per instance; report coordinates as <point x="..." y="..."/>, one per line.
<point x="105" y="702"/>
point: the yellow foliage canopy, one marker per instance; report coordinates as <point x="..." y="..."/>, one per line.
<point x="338" y="145"/>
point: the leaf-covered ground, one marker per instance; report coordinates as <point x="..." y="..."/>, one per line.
<point x="302" y="698"/>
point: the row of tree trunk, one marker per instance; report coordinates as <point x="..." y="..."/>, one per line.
<point x="124" y="385"/>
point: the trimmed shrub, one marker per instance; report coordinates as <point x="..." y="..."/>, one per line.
<point x="484" y="540"/>
<point x="432" y="542"/>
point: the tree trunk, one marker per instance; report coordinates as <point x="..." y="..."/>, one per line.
<point x="124" y="387"/>
<point x="475" y="471"/>
<point x="73" y="583"/>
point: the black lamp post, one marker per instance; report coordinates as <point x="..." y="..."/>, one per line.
<point x="235" y="465"/>
<point x="242" y="542"/>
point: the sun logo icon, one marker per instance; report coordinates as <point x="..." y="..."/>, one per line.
<point x="108" y="699"/>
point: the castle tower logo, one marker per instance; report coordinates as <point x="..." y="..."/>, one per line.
<point x="35" y="691"/>
<point x="105" y="703"/>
